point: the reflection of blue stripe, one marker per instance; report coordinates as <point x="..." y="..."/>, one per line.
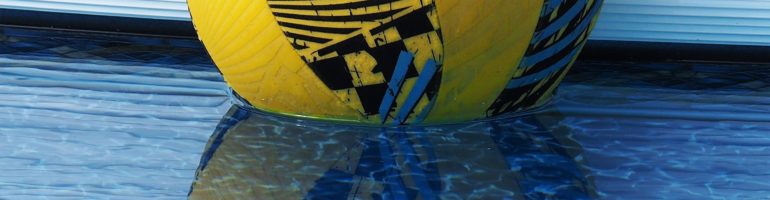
<point x="333" y="184"/>
<point x="393" y="177"/>
<point x="563" y="43"/>
<point x="533" y="78"/>
<point x="419" y="176"/>
<point x="532" y="160"/>
<point x="219" y="134"/>
<point x="394" y="86"/>
<point x="222" y="129"/>
<point x="561" y="22"/>
<point x="417" y="91"/>
<point x="431" y="165"/>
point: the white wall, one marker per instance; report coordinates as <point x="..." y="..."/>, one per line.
<point x="745" y="22"/>
<point x="154" y="9"/>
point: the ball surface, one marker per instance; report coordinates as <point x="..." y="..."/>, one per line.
<point x="394" y="62"/>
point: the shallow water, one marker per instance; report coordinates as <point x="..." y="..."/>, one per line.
<point x="98" y="116"/>
<point x="122" y="117"/>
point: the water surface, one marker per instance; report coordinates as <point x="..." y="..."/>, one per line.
<point x="101" y="116"/>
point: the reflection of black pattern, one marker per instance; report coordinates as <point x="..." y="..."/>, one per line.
<point x="543" y="157"/>
<point x="324" y="47"/>
<point x="520" y="158"/>
<point x="555" y="43"/>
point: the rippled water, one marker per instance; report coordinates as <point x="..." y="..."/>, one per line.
<point x="120" y="117"/>
<point x="97" y="116"/>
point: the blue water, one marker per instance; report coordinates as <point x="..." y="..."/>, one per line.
<point x="101" y="116"/>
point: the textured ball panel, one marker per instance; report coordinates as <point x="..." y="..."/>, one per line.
<point x="485" y="41"/>
<point x="256" y="59"/>
<point x="562" y="30"/>
<point x="393" y="61"/>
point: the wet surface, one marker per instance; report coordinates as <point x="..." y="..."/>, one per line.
<point x="92" y="116"/>
<point x="105" y="116"/>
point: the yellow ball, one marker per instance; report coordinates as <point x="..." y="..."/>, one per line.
<point x="394" y="62"/>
